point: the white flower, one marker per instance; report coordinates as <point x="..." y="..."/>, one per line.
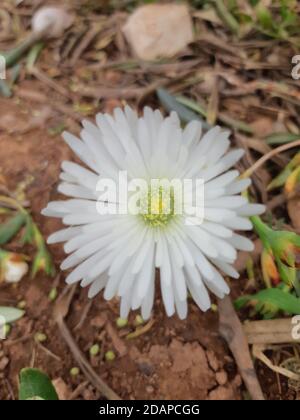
<point x="119" y="253"/>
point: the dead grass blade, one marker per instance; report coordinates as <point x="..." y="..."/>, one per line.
<point x="258" y="353"/>
<point x="232" y="331"/>
<point x="275" y="331"/>
<point x="268" y="156"/>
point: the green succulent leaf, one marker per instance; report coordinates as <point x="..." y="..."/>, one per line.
<point x="170" y="103"/>
<point x="10" y="314"/>
<point x="9" y="229"/>
<point x="35" y="384"/>
<point x="270" y="301"/>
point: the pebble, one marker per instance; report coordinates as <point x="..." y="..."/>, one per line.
<point x="221" y="377"/>
<point x="149" y="389"/>
<point x="212" y="360"/>
<point x="3" y="363"/>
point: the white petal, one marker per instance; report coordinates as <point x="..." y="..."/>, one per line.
<point x="229" y="202"/>
<point x="63" y="235"/>
<point x="97" y="286"/>
<point x="241" y="243"/>
<point x="148" y="301"/>
<point x="77" y="191"/>
<point x="251" y="210"/>
<point x="223" y="180"/>
<point x="238" y="186"/>
<point x="217" y="229"/>
<point x="226" y="268"/>
<point x="238" y="223"/>
<point x="197" y="289"/>
<point x="192" y="133"/>
<point x="167" y="294"/>
<point x="83" y="176"/>
<point x="81" y="150"/>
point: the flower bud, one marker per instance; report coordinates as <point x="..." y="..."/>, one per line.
<point x="13" y="267"/>
<point x="292" y="181"/>
<point x="282" y="248"/>
<point x="52" y="21"/>
<point x="269" y="269"/>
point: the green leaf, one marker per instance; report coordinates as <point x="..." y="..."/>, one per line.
<point x="34" y="383"/>
<point x="280" y="180"/>
<point x="28" y="237"/>
<point x="5" y="90"/>
<point x="189" y="103"/>
<point x="224" y="118"/>
<point x="170" y="103"/>
<point x="226" y="16"/>
<point x="9" y="229"/>
<point x="264" y="17"/>
<point x="281" y="138"/>
<point x="274" y="299"/>
<point x="11" y="314"/>
<point x="33" y="55"/>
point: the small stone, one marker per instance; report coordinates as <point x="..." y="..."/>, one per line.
<point x="3" y="363"/>
<point x="149" y="389"/>
<point x="212" y="360"/>
<point x="159" y="30"/>
<point x="99" y="321"/>
<point x="61" y="388"/>
<point x="221" y="377"/>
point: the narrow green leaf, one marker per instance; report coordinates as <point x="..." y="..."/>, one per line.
<point x="226" y="16"/>
<point x="10" y="314"/>
<point x="5" y="90"/>
<point x="224" y="118"/>
<point x="33" y="55"/>
<point x="15" y="74"/>
<point x="281" y="138"/>
<point x="280" y="180"/>
<point x="9" y="229"/>
<point x="264" y="17"/>
<point x="194" y="106"/>
<point x="170" y="103"/>
<point x="34" y="383"/>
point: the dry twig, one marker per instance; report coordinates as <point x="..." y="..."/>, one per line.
<point x="61" y="310"/>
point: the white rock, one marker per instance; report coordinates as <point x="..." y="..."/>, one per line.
<point x="159" y="30"/>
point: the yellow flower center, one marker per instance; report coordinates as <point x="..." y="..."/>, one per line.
<point x="157" y="207"/>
